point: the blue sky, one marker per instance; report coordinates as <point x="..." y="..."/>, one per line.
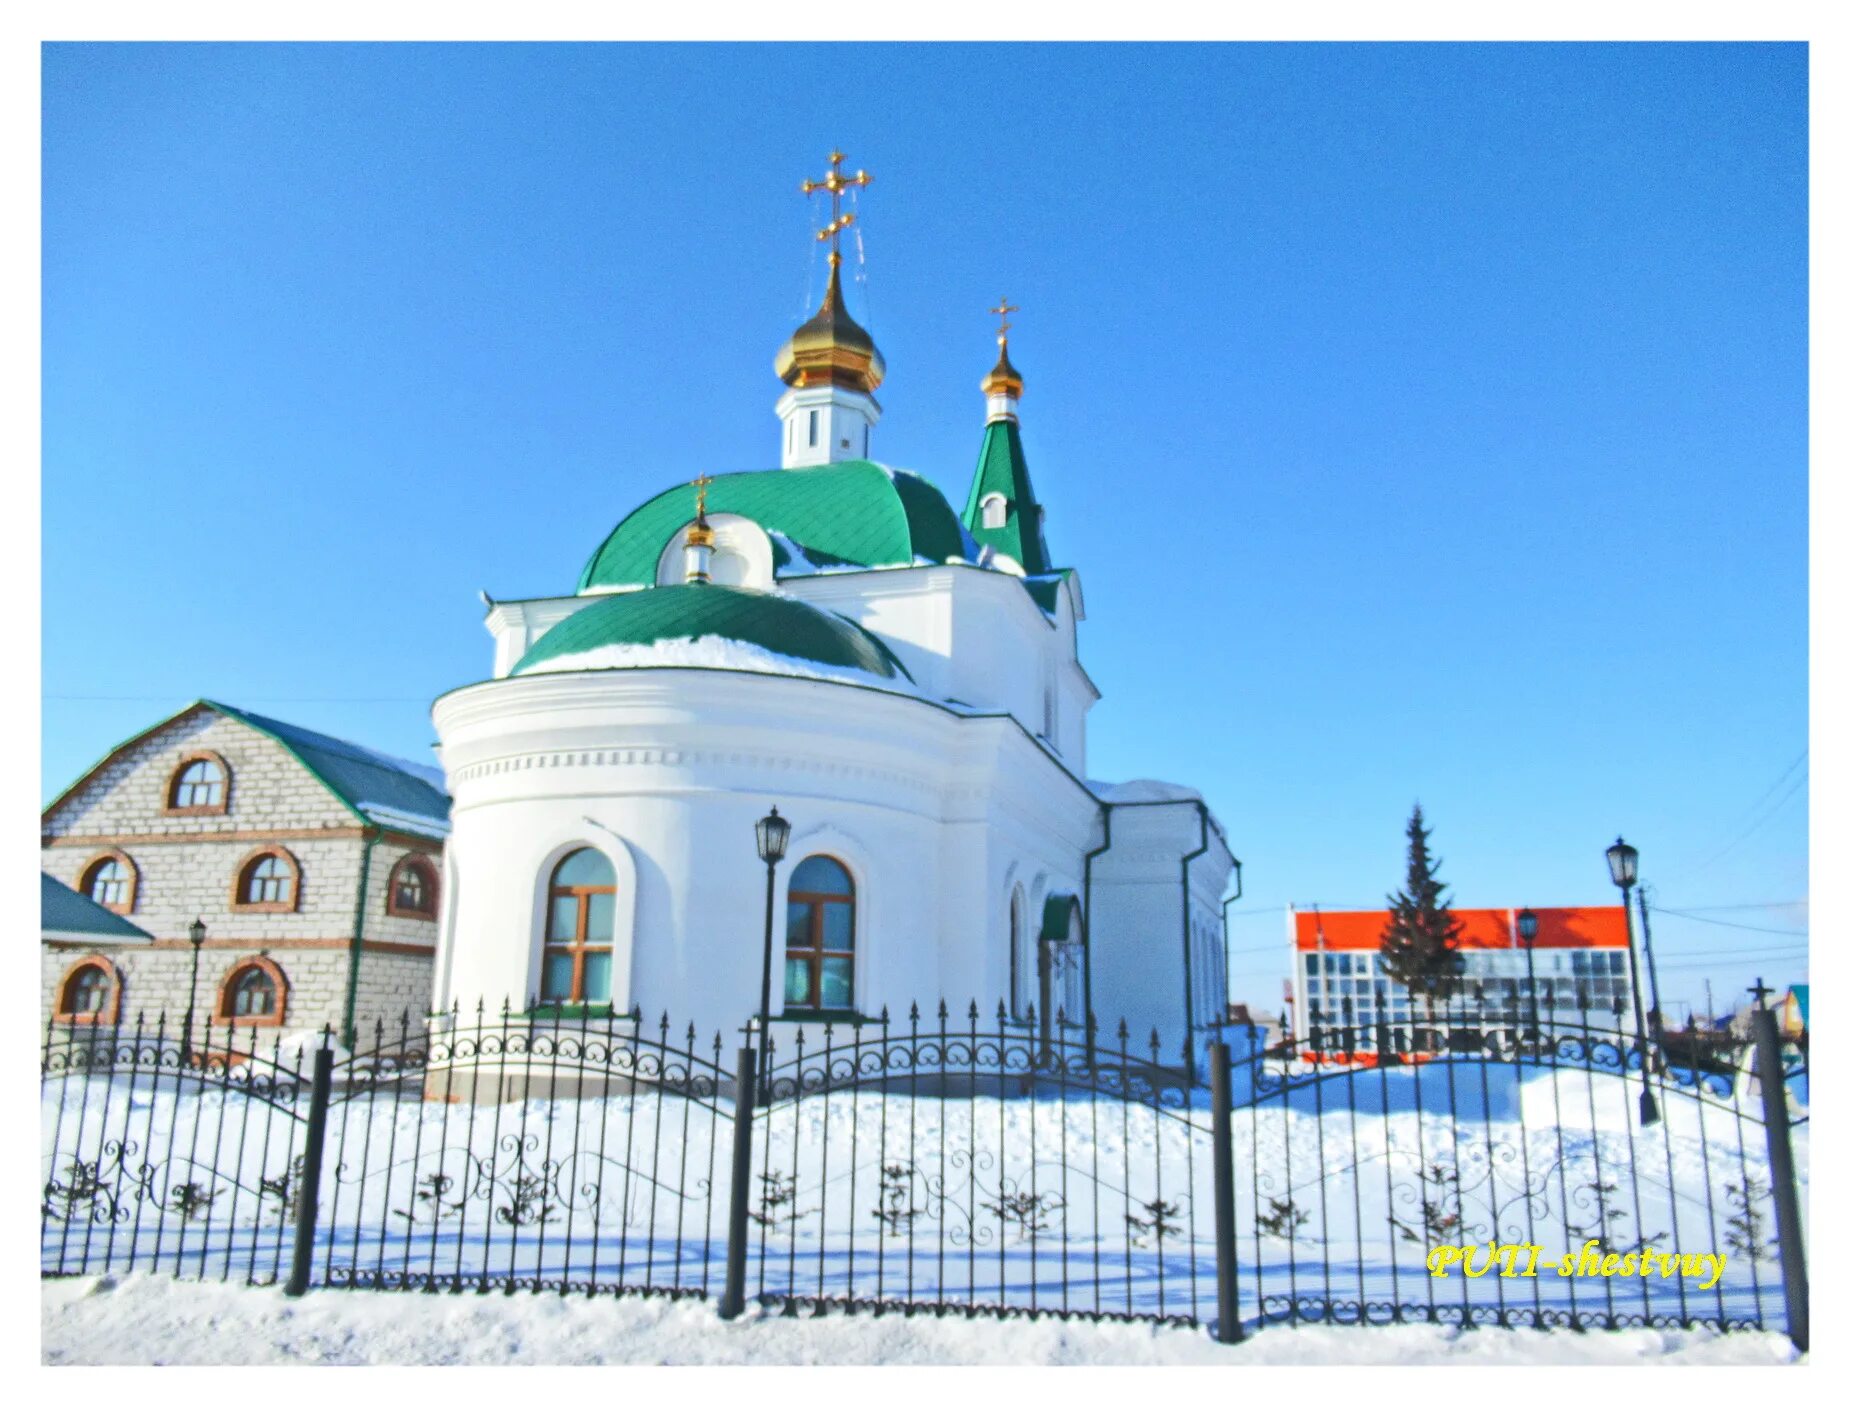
<point x="1425" y="421"/>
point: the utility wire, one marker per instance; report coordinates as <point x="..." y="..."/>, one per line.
<point x="1695" y="917"/>
<point x="1730" y="908"/>
<point x="1755" y="823"/>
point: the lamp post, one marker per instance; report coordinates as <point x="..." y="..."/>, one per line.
<point x="1526" y="926"/>
<point x="196" y="935"/>
<point x="773" y="839"/>
<point x="1622" y="860"/>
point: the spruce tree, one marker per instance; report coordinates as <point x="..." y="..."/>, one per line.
<point x="1420" y="944"/>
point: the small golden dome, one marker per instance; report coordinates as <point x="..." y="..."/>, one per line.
<point x="831" y="349"/>
<point x="1003" y="379"/>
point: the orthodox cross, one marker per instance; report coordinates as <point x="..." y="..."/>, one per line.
<point x="1760" y="992"/>
<point x="700" y="495"/>
<point x="835" y="183"/>
<point x="1002" y="310"/>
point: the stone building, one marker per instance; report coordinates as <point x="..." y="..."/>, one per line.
<point x="314" y="864"/>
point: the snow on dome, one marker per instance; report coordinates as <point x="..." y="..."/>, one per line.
<point x="710" y="652"/>
<point x="710" y="626"/>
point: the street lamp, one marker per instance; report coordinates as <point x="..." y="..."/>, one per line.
<point x="1526" y="926"/>
<point x="196" y="935"/>
<point x="773" y="839"/>
<point x="1622" y="860"/>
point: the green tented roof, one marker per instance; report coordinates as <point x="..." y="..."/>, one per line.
<point x="696" y="611"/>
<point x="65" y="912"/>
<point x="384" y="789"/>
<point x="1002" y="467"/>
<point x="854" y="513"/>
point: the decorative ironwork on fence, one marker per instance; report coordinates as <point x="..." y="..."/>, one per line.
<point x="945" y="1161"/>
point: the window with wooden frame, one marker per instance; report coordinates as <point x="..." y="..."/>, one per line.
<point x="201" y="786"/>
<point x="412" y="890"/>
<point x="268" y="882"/>
<point x="253" y="994"/>
<point x="819" y="937"/>
<point x="581" y="911"/>
<point x="110" y="880"/>
<point x="90" y="994"/>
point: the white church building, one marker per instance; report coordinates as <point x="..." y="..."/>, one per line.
<point x="901" y="681"/>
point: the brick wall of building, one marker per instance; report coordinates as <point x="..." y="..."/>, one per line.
<point x="187" y="867"/>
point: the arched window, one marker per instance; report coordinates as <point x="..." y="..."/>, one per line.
<point x="995" y="511"/>
<point x="1021" y="961"/>
<point x="200" y="786"/>
<point x="412" y="890"/>
<point x="819" y="937"/>
<point x="268" y="882"/>
<point x="253" y="994"/>
<point x="581" y="907"/>
<point x="90" y="993"/>
<point x="109" y="880"/>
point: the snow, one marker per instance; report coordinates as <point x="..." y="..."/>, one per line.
<point x="713" y="652"/>
<point x="146" y="1319"/>
<point x="407" y="820"/>
<point x="1144" y="789"/>
<point x="636" y="1190"/>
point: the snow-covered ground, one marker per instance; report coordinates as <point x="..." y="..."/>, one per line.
<point x="1030" y="1203"/>
<point x="141" y="1319"/>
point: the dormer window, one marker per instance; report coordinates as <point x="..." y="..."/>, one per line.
<point x="995" y="511"/>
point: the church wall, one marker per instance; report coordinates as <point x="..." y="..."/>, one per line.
<point x="678" y="766"/>
<point x="1137" y="920"/>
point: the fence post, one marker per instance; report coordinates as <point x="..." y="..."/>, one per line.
<point x="732" y="1301"/>
<point x="1226" y="1262"/>
<point x="308" y="1196"/>
<point x="1772" y="1074"/>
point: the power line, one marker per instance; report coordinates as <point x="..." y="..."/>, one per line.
<point x="1695" y="917"/>
<point x="1768" y="814"/>
<point x="1730" y="908"/>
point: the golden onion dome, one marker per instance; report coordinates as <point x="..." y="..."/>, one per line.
<point x="1003" y="379"/>
<point x="831" y="349"/>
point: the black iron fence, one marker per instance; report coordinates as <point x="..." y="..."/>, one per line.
<point x="1439" y="1172"/>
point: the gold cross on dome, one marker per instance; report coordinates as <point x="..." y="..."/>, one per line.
<point x="1002" y="310"/>
<point x="700" y="494"/>
<point x="835" y="183"/>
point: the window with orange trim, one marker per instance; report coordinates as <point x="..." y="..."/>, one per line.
<point x="412" y="889"/>
<point x="268" y="881"/>
<point x="201" y="786"/>
<point x="90" y="994"/>
<point x="253" y="994"/>
<point x="109" y="880"/>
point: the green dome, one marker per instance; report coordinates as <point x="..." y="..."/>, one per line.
<point x="855" y="513"/>
<point x="702" y="611"/>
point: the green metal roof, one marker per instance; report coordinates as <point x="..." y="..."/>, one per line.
<point x="697" y="611"/>
<point x="855" y="513"/>
<point x="380" y="788"/>
<point x="1057" y="916"/>
<point x="63" y="910"/>
<point x="1002" y="467"/>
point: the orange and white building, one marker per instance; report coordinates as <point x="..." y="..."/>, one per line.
<point x="1579" y="961"/>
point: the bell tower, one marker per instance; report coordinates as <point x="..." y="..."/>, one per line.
<point x="830" y="363"/>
